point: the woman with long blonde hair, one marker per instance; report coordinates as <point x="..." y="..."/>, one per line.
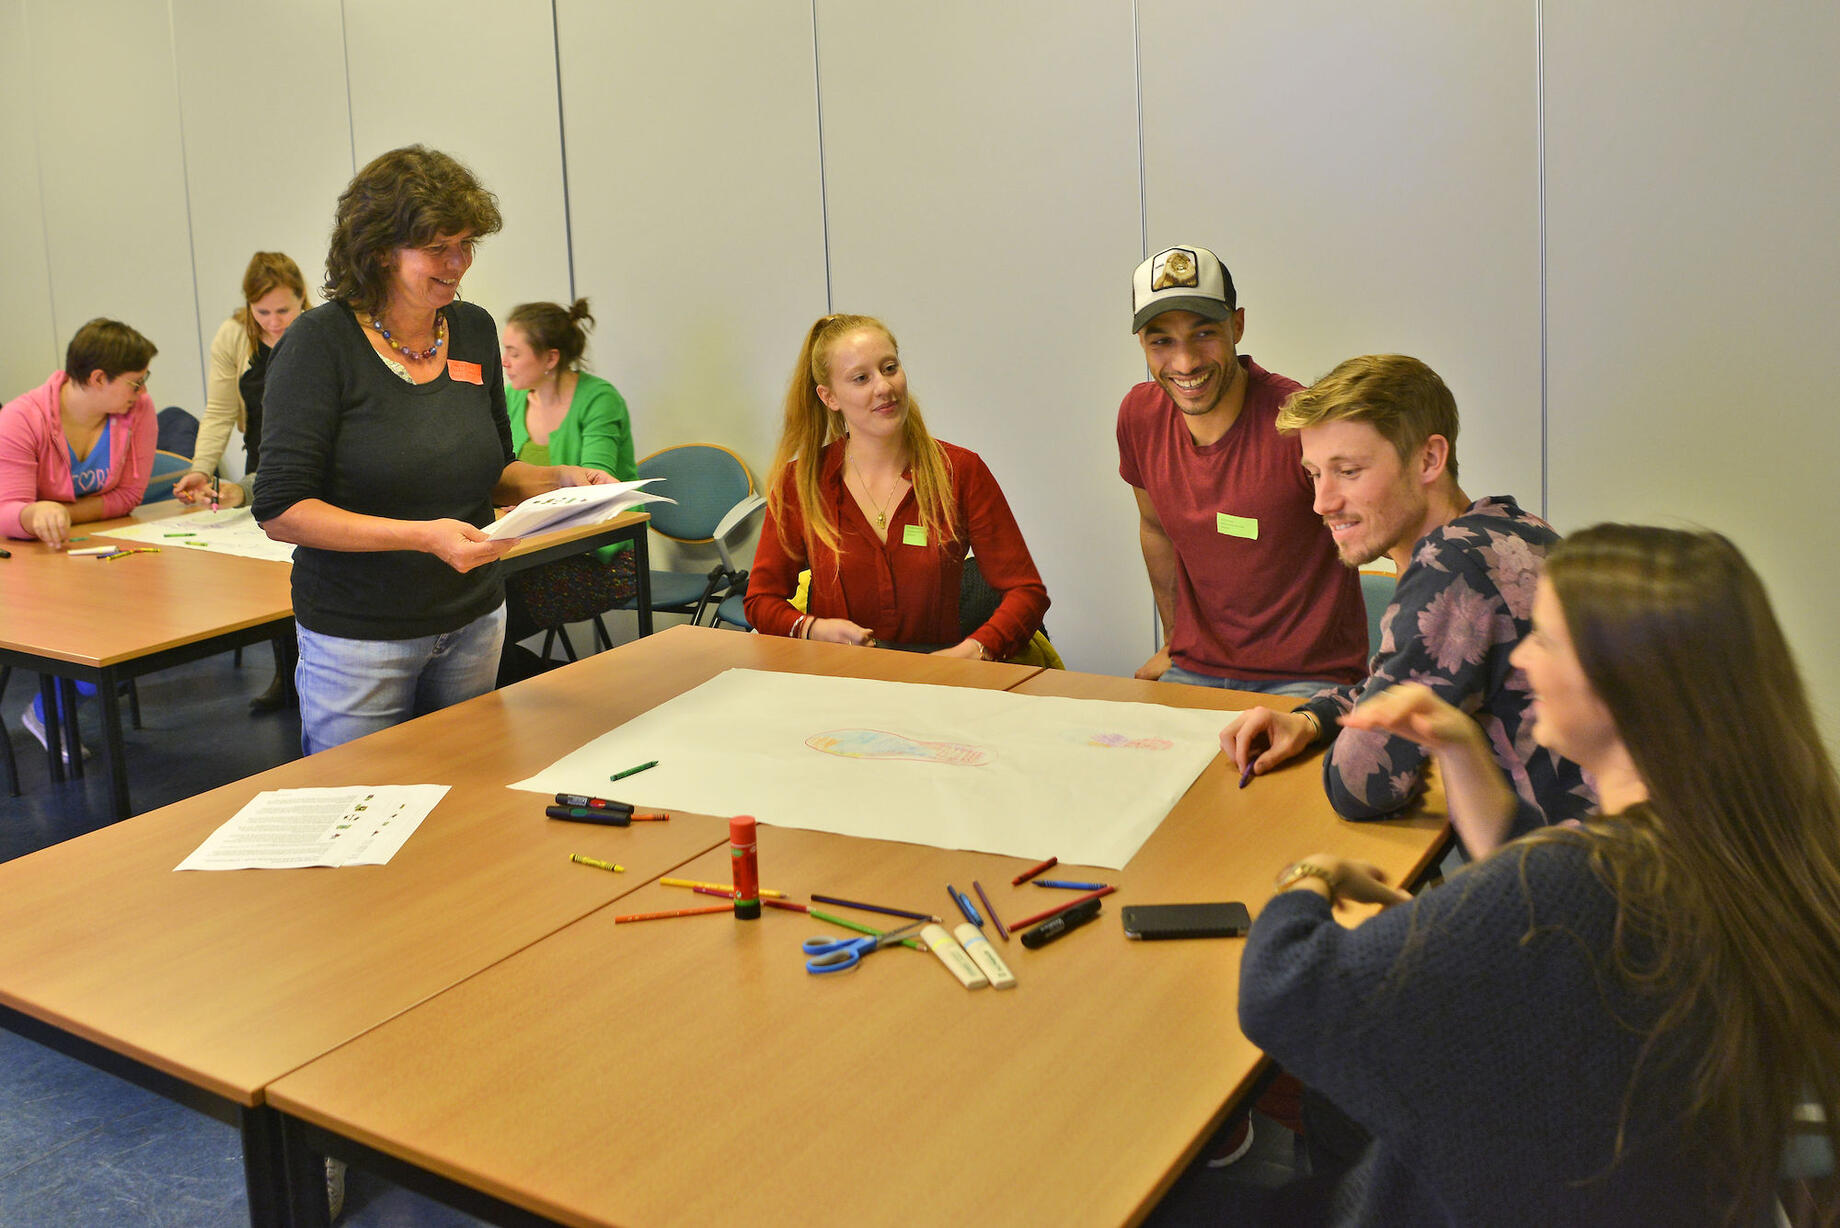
<point x="1604" y="1024"/>
<point x="881" y="513"/>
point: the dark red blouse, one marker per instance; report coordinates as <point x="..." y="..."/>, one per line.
<point x="905" y="593"/>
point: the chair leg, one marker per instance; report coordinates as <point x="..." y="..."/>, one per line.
<point x="568" y="648"/>
<point x="236" y="659"/>
<point x="134" y="703"/>
<point x="602" y="640"/>
<point x="549" y="640"/>
<point x="6" y="738"/>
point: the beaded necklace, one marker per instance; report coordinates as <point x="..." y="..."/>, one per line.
<point x="440" y="337"/>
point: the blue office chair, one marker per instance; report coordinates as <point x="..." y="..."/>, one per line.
<point x="733" y="612"/>
<point x="716" y="504"/>
<point x="1377" y="592"/>
<point x="168" y="468"/>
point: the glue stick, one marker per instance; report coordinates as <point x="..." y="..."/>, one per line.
<point x="743" y="857"/>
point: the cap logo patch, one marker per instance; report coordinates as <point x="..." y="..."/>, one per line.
<point x="1176" y="268"/>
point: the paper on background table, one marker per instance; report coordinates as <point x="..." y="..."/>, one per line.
<point x="1031" y="776"/>
<point x="572" y="505"/>
<point x="230" y="530"/>
<point x="284" y="829"/>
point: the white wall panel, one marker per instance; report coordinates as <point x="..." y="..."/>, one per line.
<point x="1369" y="174"/>
<point x="479" y="83"/>
<point x="698" y="223"/>
<point x="116" y="230"/>
<point x="982" y="186"/>
<point x="29" y="346"/>
<point x="1692" y="187"/>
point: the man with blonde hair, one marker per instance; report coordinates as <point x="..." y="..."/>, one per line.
<point x="1379" y="444"/>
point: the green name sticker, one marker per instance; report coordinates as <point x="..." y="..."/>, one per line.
<point x="1236" y="526"/>
<point x="913" y="535"/>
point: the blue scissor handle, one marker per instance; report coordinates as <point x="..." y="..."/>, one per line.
<point x="835" y="954"/>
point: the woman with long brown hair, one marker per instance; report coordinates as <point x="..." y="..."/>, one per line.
<point x="1606" y="1024"/>
<point x="881" y="513"/>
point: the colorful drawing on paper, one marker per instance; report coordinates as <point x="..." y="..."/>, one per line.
<point x="1118" y="741"/>
<point x="879" y="744"/>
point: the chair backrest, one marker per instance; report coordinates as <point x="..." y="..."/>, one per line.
<point x="178" y="431"/>
<point x="706" y="479"/>
<point x="1377" y="592"/>
<point x="167" y="469"/>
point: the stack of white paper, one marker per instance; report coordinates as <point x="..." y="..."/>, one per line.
<point x="573" y="505"/>
<point x="280" y="829"/>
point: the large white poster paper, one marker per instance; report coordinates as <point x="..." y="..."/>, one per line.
<point x="1031" y="776"/>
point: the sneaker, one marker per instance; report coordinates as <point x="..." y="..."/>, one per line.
<point x="335" y="1189"/>
<point x="29" y="720"/>
<point x="1237" y="1141"/>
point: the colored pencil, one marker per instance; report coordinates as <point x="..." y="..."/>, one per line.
<point x="788" y="905"/>
<point x="1026" y="875"/>
<point x="1073" y="903"/>
<point x="1067" y="884"/>
<point x="990" y="908"/>
<point x="892" y="912"/>
<point x="691" y="882"/>
<point x="674" y="912"/>
<point x="724" y="892"/>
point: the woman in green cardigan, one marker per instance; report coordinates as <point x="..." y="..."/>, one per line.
<point x="561" y="415"/>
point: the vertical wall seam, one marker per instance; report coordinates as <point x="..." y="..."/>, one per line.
<point x="824" y="204"/>
<point x="38" y="170"/>
<point x="351" y="118"/>
<point x="1143" y="223"/>
<point x="191" y="231"/>
<point x="562" y="139"/>
<point x="1539" y="94"/>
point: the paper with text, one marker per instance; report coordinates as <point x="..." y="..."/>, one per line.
<point x="284" y="829"/>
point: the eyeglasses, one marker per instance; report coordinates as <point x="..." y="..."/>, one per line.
<point x="140" y="384"/>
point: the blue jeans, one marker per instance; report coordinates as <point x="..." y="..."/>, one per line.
<point x="349" y="688"/>
<point x="1302" y="688"/>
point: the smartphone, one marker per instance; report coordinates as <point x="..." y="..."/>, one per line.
<point x="1150" y="921"/>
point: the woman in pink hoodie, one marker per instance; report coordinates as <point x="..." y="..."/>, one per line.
<point x="80" y="446"/>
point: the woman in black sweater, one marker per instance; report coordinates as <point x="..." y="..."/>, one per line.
<point x="1606" y="1024"/>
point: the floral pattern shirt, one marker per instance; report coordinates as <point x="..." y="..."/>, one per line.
<point x="1462" y="604"/>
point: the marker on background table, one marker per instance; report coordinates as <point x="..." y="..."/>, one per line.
<point x="1059" y="925"/>
<point x="587" y="814"/>
<point x="985" y="957"/>
<point x="1026" y="875"/>
<point x="1067" y="884"/>
<point x="953" y="957"/>
<point x="595" y="803"/>
<point x="633" y="771"/>
<point x="596" y="862"/>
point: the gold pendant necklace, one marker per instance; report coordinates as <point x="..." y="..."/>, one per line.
<point x="881" y="508"/>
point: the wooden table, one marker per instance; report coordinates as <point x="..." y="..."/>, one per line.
<point x="76" y="618"/>
<point x="207" y="987"/>
<point x="691" y="1071"/>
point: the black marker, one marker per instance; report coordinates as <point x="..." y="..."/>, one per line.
<point x="593" y="803"/>
<point x="1060" y="923"/>
<point x="584" y="814"/>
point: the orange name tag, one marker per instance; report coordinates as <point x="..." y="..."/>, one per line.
<point x="465" y="372"/>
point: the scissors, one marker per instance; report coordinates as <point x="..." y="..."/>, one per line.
<point x="842" y="954"/>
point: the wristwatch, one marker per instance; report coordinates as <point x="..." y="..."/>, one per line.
<point x="1297" y="871"/>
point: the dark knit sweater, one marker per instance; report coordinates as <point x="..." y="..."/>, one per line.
<point x="1481" y="1034"/>
<point x="340" y="426"/>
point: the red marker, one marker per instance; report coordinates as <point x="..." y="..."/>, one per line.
<point x="1026" y="875"/>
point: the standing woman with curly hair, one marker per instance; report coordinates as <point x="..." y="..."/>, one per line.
<point x="386" y="445"/>
<point x="1604" y="1024"/>
<point x="881" y="513"/>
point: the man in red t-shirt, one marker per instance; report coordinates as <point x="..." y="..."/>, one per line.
<point x="1246" y="579"/>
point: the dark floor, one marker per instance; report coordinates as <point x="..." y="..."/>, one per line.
<point x="79" y="1147"/>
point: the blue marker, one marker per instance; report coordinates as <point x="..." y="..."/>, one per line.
<point x="1067" y="884"/>
<point x="964" y="905"/>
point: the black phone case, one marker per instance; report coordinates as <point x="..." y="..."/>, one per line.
<point x="1153" y="922"/>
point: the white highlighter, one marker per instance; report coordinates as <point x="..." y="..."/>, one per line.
<point x="985" y="956"/>
<point x="953" y="957"/>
